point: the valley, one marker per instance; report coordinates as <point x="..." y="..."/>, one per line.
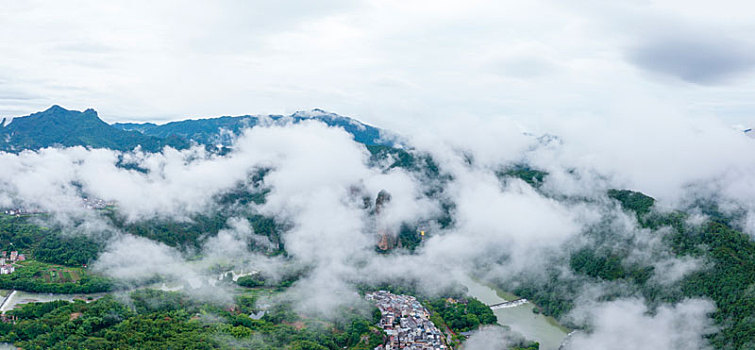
<point x="246" y="250"/>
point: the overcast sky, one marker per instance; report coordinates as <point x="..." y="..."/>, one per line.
<point x="397" y="64"/>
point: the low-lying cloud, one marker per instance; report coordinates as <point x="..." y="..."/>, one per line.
<point x="321" y="187"/>
<point x="628" y="324"/>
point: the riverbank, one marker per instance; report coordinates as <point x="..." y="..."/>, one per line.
<point x="501" y="293"/>
<point x="17" y="298"/>
<point x="509" y="296"/>
<point x="521" y="319"/>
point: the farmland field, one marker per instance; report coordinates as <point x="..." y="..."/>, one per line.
<point x="59" y="274"/>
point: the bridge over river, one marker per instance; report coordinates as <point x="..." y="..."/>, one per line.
<point x="519" y="315"/>
<point x="509" y="304"/>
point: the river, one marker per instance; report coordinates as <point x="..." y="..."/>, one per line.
<point x="521" y="319"/>
<point x="19" y="298"/>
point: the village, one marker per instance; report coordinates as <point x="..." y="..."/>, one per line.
<point x="21" y="212"/>
<point x="406" y="322"/>
<point x="88" y="203"/>
<point x="6" y="262"/>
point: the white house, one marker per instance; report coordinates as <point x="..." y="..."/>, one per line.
<point x="6" y="269"/>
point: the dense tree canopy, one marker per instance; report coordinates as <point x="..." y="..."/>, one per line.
<point x="169" y="320"/>
<point x="727" y="277"/>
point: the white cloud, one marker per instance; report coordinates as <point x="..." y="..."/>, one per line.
<point x="441" y="59"/>
<point x="457" y="78"/>
<point x="491" y="338"/>
<point x="626" y="324"/>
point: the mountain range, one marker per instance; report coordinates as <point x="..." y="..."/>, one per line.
<point x="58" y="126"/>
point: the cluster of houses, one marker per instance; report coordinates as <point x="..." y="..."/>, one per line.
<point x="6" y="262"/>
<point x="95" y="203"/>
<point x="89" y="203"/>
<point x="21" y="211"/>
<point x="406" y="322"/>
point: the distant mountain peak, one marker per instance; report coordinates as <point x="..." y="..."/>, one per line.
<point x="331" y="117"/>
<point x="55" y="108"/>
<point x="221" y="130"/>
<point x="316" y="113"/>
<point x="58" y="111"/>
<point x="58" y="126"/>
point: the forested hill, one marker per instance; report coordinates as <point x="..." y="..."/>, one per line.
<point x="219" y="130"/>
<point x="58" y="126"/>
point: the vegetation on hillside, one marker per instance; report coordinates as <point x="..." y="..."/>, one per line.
<point x="56" y="259"/>
<point x="50" y="245"/>
<point x="221" y="130"/>
<point x="170" y="320"/>
<point x="33" y="276"/>
<point x="727" y="276"/>
<point x="462" y="315"/>
<point x="57" y="126"/>
<point x="527" y="174"/>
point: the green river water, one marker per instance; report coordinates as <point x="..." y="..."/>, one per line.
<point x="521" y="319"/>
